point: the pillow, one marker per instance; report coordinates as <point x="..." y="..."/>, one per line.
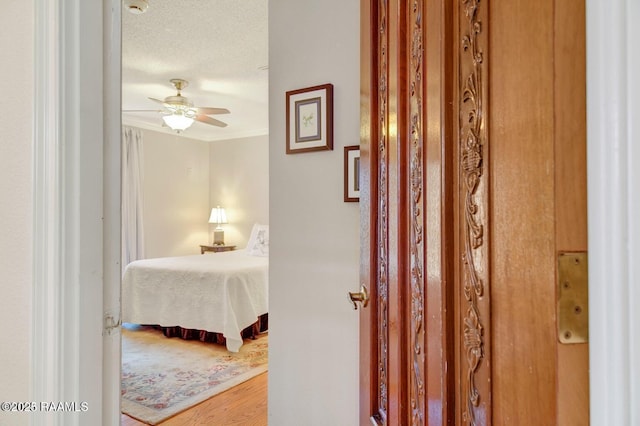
<point x="258" y="244"/>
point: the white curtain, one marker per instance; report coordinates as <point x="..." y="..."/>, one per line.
<point x="132" y="196"/>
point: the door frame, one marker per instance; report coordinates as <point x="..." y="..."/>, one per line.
<point x="57" y="245"/>
<point x="75" y="334"/>
<point x="614" y="237"/>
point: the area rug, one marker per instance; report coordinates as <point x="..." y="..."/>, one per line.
<point x="163" y="376"/>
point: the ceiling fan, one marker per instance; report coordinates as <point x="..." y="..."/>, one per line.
<point x="179" y="113"/>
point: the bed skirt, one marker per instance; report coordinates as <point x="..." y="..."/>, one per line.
<point x="260" y="326"/>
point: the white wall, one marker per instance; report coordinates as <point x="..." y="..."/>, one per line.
<point x="240" y="183"/>
<point x="314" y="236"/>
<point x="176" y="194"/>
<point x="184" y="178"/>
<point x="16" y="102"/>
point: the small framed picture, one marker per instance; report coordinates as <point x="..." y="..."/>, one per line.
<point x="352" y="173"/>
<point x="310" y="119"/>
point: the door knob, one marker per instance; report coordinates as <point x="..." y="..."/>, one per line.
<point x="362" y="296"/>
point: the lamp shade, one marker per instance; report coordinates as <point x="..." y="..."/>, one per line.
<point x="177" y="121"/>
<point x="218" y="215"/>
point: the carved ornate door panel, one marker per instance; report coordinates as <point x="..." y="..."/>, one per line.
<point x="474" y="183"/>
<point x="407" y="213"/>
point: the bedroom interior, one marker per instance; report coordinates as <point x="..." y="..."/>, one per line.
<point x="188" y="173"/>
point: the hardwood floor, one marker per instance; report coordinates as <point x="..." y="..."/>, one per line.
<point x="242" y="405"/>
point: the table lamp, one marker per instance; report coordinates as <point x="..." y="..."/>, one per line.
<point x="218" y="217"/>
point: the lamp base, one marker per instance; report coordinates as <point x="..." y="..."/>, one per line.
<point x="218" y="237"/>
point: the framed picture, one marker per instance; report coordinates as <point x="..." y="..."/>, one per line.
<point x="310" y="119"/>
<point x="351" y="173"/>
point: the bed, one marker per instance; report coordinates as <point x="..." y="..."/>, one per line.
<point x="222" y="292"/>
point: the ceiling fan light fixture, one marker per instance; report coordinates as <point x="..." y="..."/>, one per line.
<point x="178" y="112"/>
<point x="136" y="7"/>
<point x="178" y="122"/>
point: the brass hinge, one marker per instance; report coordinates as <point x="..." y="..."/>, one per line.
<point x="573" y="297"/>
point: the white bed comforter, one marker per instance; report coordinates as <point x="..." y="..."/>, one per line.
<point x="221" y="292"/>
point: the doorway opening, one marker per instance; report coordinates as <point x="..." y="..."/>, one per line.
<point x="207" y="62"/>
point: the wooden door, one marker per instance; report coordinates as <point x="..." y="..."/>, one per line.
<point x="474" y="183"/>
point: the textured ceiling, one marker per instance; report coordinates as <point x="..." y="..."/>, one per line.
<point x="219" y="46"/>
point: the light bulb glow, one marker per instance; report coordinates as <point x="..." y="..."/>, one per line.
<point x="177" y="121"/>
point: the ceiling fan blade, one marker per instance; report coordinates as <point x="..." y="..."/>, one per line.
<point x="208" y="120"/>
<point x="158" y="101"/>
<point x="141" y="110"/>
<point x="209" y="110"/>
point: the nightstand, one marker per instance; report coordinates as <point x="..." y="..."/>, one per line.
<point x="216" y="248"/>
